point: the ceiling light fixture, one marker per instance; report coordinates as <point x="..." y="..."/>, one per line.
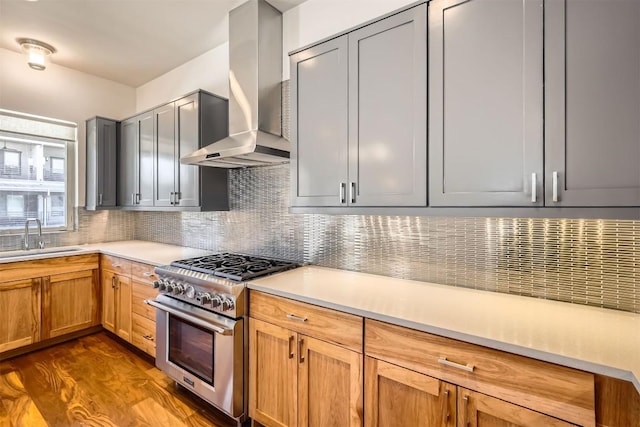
<point x="36" y="51"/>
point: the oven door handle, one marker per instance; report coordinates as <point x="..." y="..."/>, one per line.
<point x="206" y="324"/>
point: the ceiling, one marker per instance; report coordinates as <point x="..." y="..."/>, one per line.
<point x="127" y="41"/>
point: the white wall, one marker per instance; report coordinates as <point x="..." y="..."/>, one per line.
<point x="209" y="71"/>
<point x="65" y="94"/>
<point x="314" y="20"/>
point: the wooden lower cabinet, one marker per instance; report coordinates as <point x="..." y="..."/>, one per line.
<point x="480" y="410"/>
<point x="70" y="302"/>
<point x="297" y="380"/>
<point x="116" y="304"/>
<point x="19" y="313"/>
<point x="399" y="397"/>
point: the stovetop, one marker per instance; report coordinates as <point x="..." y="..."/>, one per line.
<point x="234" y="266"/>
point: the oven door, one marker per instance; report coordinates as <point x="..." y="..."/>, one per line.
<point x="202" y="351"/>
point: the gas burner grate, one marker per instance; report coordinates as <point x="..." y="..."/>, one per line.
<point x="234" y="266"/>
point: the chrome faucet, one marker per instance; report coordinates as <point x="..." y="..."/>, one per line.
<point x="26" y="233"/>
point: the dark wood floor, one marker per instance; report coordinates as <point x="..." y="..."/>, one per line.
<point x="95" y="381"/>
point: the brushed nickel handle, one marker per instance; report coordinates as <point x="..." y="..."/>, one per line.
<point x="534" y="188"/>
<point x="177" y="196"/>
<point x="137" y="198"/>
<point x="466" y="410"/>
<point x="100" y="199"/>
<point x="554" y="186"/>
<point x="133" y="198"/>
<point x="352" y="191"/>
<point x="147" y="274"/>
<point x="343" y="193"/>
<point x="300" y="353"/>
<point x="148" y="337"/>
<point x="296" y="318"/>
<point x="467" y="367"/>
<point x="291" y="338"/>
<point x="116" y="265"/>
<point x="447" y="415"/>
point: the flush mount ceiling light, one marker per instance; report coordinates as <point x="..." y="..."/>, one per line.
<point x="36" y="51"/>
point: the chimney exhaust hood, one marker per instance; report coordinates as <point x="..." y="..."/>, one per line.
<point x="255" y="93"/>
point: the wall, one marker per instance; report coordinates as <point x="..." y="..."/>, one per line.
<point x="209" y="71"/>
<point x="62" y="93"/>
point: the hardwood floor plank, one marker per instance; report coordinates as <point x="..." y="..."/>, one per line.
<point x="96" y="381"/>
<point x="19" y="408"/>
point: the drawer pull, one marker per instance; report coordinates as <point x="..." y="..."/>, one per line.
<point x="148" y="337"/>
<point x="147" y="274"/>
<point x="116" y="265"/>
<point x="444" y="361"/>
<point x="296" y="318"/>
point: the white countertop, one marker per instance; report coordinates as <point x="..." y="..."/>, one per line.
<point x="135" y="250"/>
<point x="592" y="339"/>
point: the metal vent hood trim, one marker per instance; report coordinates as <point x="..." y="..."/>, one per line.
<point x="255" y="93"/>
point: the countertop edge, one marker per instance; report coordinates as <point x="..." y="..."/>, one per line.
<point x="533" y="353"/>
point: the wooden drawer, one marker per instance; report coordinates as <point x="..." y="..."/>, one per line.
<point x="143" y="334"/>
<point x="118" y="265"/>
<point x="139" y="293"/>
<point x="561" y="392"/>
<point x="143" y="272"/>
<point x="322" y="323"/>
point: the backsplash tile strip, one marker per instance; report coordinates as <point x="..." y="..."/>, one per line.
<point x="592" y="262"/>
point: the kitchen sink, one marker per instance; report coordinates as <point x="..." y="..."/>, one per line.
<point x="35" y="252"/>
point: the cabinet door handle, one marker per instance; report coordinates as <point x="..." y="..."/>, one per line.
<point x="447" y="415"/>
<point x="148" y="337"/>
<point x="291" y="338"/>
<point x="300" y="353"/>
<point x="466" y="411"/>
<point x="113" y="282"/>
<point x="468" y="367"/>
<point x="100" y="199"/>
<point x="534" y="188"/>
<point x="352" y="190"/>
<point x="177" y="195"/>
<point x="137" y="198"/>
<point x="343" y="193"/>
<point x="133" y="198"/>
<point x="554" y="186"/>
<point x="296" y="318"/>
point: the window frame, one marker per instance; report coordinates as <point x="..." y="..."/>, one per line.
<point x="65" y="133"/>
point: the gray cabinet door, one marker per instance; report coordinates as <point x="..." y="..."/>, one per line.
<point x="106" y="162"/>
<point x="128" y="158"/>
<point x="101" y="168"/>
<point x="146" y="157"/>
<point x="388" y="111"/>
<point x="486" y="103"/>
<point x="319" y="130"/>
<point x="164" y="125"/>
<point x="187" y="186"/>
<point x="592" y="102"/>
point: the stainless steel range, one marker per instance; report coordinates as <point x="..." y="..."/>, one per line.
<point x="201" y="327"/>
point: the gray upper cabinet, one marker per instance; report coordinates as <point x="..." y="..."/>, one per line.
<point x="136" y="165"/>
<point x="102" y="143"/>
<point x="319" y="124"/>
<point x="151" y="175"/>
<point x="486" y="103"/>
<point x="592" y="103"/>
<point x="358" y="121"/>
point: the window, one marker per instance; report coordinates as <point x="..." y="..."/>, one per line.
<point x="35" y="181"/>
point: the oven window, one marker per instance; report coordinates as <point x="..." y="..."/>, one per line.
<point x="191" y="348"/>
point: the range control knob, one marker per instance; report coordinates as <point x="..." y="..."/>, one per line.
<point x="216" y="300"/>
<point x="163" y="285"/>
<point x="204" y="298"/>
<point x="156" y="284"/>
<point x="178" y="289"/>
<point x="189" y="291"/>
<point x="227" y="304"/>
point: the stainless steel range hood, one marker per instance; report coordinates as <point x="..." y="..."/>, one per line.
<point x="255" y="97"/>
